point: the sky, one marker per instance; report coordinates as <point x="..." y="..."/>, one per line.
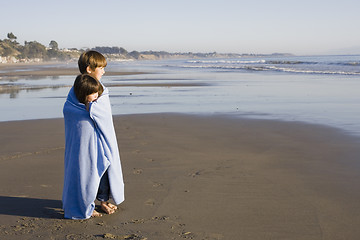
<point x="306" y="27"/>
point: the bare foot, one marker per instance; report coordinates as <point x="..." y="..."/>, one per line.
<point x="106" y="207"/>
<point x="112" y="206"/>
<point x="96" y="214"/>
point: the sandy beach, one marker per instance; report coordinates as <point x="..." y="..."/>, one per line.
<point x="190" y="177"/>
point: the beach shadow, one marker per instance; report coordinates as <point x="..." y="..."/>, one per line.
<point x="31" y="207"/>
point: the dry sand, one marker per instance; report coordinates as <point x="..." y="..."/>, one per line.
<point x="190" y="177"/>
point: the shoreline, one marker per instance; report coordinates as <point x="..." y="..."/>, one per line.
<point x="191" y="176"/>
<point x="45" y="69"/>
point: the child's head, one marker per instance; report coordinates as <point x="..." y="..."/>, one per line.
<point x="92" y="63"/>
<point x="87" y="89"/>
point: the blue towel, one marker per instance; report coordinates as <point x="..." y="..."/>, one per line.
<point x="90" y="149"/>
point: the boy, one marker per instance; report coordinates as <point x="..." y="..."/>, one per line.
<point x="92" y="63"/>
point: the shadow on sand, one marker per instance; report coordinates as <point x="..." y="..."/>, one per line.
<point x="31" y="207"/>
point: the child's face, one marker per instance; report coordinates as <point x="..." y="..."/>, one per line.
<point x="97" y="73"/>
<point x="92" y="97"/>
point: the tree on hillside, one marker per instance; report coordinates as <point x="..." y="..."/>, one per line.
<point x="135" y="54"/>
<point x="34" y="50"/>
<point x="8" y="49"/>
<point x="54" y="45"/>
<point x="53" y="52"/>
<point x="11" y="36"/>
<point x="123" y="51"/>
<point x="110" y="50"/>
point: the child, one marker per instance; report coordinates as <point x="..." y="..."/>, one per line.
<point x="92" y="160"/>
<point x="87" y="89"/>
<point x="92" y="63"/>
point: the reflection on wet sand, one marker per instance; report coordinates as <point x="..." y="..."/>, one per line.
<point x="13" y="77"/>
<point x="13" y="89"/>
<point x="15" y="70"/>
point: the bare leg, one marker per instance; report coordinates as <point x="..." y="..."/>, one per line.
<point x="96" y="214"/>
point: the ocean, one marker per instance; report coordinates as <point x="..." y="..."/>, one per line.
<point x="314" y="89"/>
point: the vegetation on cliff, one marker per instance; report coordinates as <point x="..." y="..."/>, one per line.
<point x="33" y="51"/>
<point x="12" y="51"/>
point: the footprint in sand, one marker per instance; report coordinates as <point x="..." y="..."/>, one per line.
<point x="195" y="174"/>
<point x="150" y="202"/>
<point x="156" y="184"/>
<point x="144" y="143"/>
<point x="137" y="171"/>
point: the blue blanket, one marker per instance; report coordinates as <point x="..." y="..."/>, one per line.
<point x="90" y="149"/>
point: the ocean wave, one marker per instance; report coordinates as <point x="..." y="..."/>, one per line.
<point x="346" y="63"/>
<point x="271" y="62"/>
<point x="271" y="68"/>
<point x="286" y="62"/>
<point x="311" y="71"/>
<point x="226" y="61"/>
<point x="260" y="61"/>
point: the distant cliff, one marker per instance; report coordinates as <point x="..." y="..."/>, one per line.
<point x="11" y="52"/>
<point x="115" y="53"/>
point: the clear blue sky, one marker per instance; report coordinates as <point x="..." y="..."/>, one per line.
<point x="254" y="26"/>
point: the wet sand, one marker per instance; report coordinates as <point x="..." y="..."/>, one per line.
<point x="47" y="69"/>
<point x="39" y="70"/>
<point x="191" y="177"/>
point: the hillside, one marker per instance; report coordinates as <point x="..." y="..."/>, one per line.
<point x="12" y="52"/>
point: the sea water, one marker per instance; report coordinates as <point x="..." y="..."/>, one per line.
<point x="313" y="89"/>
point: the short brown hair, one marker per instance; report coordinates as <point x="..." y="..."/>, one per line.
<point x="92" y="59"/>
<point x="85" y="85"/>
